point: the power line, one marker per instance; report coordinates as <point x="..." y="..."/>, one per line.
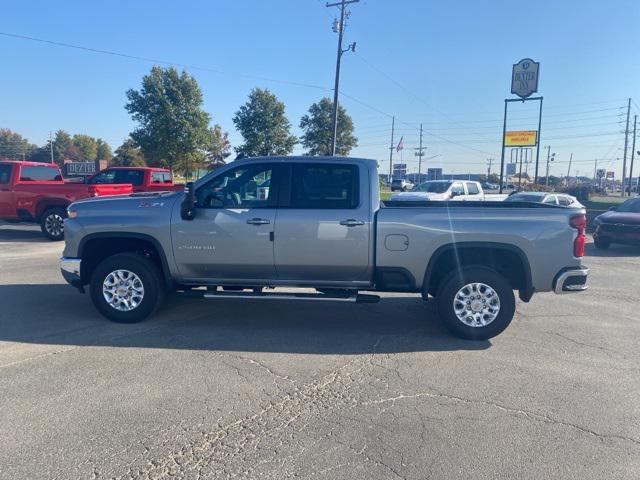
<point x="163" y="62"/>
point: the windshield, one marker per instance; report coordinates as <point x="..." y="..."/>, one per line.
<point x="432" y="187"/>
<point x="630" y="206"/>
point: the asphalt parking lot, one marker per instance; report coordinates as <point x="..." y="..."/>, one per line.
<point x="226" y="389"/>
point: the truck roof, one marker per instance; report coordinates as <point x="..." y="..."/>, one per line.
<point x="151" y="169"/>
<point x="29" y="164"/>
<point x="302" y="158"/>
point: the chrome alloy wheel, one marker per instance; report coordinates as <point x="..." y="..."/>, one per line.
<point x="123" y="290"/>
<point x="54" y="224"/>
<point x="476" y="305"/>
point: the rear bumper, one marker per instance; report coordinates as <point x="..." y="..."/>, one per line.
<point x="70" y="269"/>
<point x="571" y="280"/>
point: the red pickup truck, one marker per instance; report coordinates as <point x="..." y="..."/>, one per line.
<point x="143" y="179"/>
<point x="37" y="193"/>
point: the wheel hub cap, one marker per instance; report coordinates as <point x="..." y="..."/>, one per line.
<point x="123" y="290"/>
<point x="476" y="304"/>
<point x="54" y="224"/>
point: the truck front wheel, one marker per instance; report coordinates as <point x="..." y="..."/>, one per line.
<point x="476" y="303"/>
<point x="52" y="223"/>
<point x="126" y="288"/>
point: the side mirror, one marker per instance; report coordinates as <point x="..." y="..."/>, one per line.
<point x="189" y="202"/>
<point x="455" y="193"/>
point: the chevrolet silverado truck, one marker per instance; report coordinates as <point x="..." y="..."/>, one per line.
<point x="36" y="193"/>
<point x="142" y="179"/>
<point x="320" y="225"/>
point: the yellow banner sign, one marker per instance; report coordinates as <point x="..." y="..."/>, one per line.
<point x="521" y="138"/>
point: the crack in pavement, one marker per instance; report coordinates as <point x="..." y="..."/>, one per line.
<point x="516" y="411"/>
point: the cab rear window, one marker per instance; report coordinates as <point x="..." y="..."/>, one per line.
<point x="5" y="174"/>
<point x="39" y="174"/>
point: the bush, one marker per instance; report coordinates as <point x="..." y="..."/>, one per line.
<point x="582" y="192"/>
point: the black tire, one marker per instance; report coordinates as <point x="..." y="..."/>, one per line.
<point x="453" y="283"/>
<point x="149" y="276"/>
<point x="51" y="223"/>
<point x="601" y="244"/>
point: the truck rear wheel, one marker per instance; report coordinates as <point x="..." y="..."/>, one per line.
<point x="476" y="303"/>
<point x="52" y="223"/>
<point x="126" y="288"/>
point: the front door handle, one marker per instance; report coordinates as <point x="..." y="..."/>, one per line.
<point x="351" y="222"/>
<point x="258" y="221"/>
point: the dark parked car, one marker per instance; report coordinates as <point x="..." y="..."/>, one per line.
<point x="621" y="224"/>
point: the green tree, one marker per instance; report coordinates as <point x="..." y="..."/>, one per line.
<point x="103" y="150"/>
<point x="61" y="142"/>
<point x="128" y="155"/>
<point x="87" y="145"/>
<point x="73" y="154"/>
<point x="41" y="154"/>
<point x="14" y="146"/>
<point x="263" y="125"/>
<point x="218" y="148"/>
<point x="318" y="128"/>
<point x="173" y="127"/>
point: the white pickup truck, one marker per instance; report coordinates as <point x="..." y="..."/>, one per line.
<point x="441" y="190"/>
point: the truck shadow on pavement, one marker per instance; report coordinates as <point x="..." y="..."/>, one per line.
<point x="13" y="234"/>
<point x="58" y="315"/>
<point x="615" y="250"/>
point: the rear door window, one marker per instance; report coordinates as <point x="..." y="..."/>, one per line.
<point x="457" y="189"/>
<point x="5" y="174"/>
<point x="39" y="174"/>
<point x="157" y="177"/>
<point x="324" y="186"/>
<point x="472" y="188"/>
<point x="564" y="201"/>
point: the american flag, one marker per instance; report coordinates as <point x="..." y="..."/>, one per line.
<point x="400" y="144"/>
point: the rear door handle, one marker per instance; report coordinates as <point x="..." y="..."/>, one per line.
<point x="258" y="221"/>
<point x="351" y="222"/>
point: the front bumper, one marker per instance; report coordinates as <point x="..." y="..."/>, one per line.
<point x="70" y="269"/>
<point x="571" y="280"/>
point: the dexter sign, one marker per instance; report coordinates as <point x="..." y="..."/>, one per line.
<point x="521" y="138"/>
<point x="524" y="79"/>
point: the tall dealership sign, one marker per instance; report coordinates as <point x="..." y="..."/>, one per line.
<point x="524" y="78"/>
<point x="524" y="83"/>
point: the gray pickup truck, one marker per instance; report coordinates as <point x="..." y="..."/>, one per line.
<point x="309" y="222"/>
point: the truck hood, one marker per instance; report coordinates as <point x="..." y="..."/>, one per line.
<point x="132" y="200"/>
<point x="418" y="197"/>
<point x="626" y="218"/>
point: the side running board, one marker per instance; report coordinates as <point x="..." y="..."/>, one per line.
<point x="357" y="298"/>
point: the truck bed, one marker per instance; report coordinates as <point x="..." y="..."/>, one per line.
<point x="407" y="233"/>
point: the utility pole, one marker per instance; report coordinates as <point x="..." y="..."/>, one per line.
<point x="393" y="126"/>
<point x="51" y="146"/>
<point x="633" y="151"/>
<point x="489" y="160"/>
<point x="420" y="154"/>
<point x="626" y="140"/>
<point x="550" y="158"/>
<point x="342" y="4"/>
<point x="569" y="169"/>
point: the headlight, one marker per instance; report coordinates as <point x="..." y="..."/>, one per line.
<point x="72" y="213"/>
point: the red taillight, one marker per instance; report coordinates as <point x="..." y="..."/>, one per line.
<point x="579" y="222"/>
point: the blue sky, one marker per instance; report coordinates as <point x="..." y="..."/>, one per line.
<point x="445" y="64"/>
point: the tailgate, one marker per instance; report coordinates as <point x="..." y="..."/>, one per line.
<point x="103" y="189"/>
